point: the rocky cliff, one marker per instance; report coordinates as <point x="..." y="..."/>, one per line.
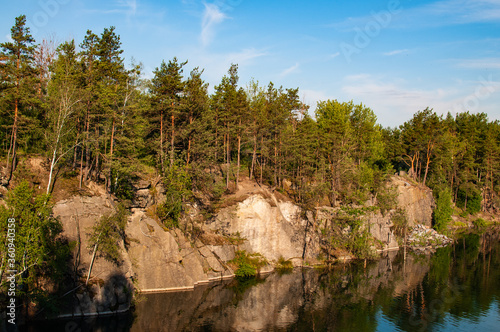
<point x="157" y="259"/>
<point x="271" y="228"/>
<point x="414" y="199"/>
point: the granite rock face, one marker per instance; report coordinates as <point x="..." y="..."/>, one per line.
<point x="416" y="200"/>
<point x="273" y="230"/>
<point x="156" y="259"/>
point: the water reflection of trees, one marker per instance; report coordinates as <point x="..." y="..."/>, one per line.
<point x="456" y="282"/>
<point x="463" y="281"/>
<point x="417" y="294"/>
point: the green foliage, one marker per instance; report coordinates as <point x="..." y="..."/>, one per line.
<point x="360" y="244"/>
<point x="349" y="233"/>
<point x="386" y="198"/>
<point x="236" y="239"/>
<point x="40" y="252"/>
<point x="480" y="223"/>
<point x="284" y="264"/>
<point x="444" y="210"/>
<point x="107" y="233"/>
<point x="247" y="264"/>
<point x="469" y="198"/>
<point x="400" y="222"/>
<point x="177" y="182"/>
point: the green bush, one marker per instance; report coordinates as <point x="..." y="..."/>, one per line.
<point x="284" y="264"/>
<point x="469" y="198"/>
<point x="107" y="233"/>
<point x="386" y="199"/>
<point x="441" y="215"/>
<point x="359" y="245"/>
<point x="480" y="223"/>
<point x="177" y="182"/>
<point x="400" y="222"/>
<point x="247" y="264"/>
<point x="42" y="253"/>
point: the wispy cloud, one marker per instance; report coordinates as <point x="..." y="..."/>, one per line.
<point x="436" y="14"/>
<point x="392" y="101"/>
<point x="125" y="7"/>
<point x="129" y="6"/>
<point x="464" y="11"/>
<point x="312" y="97"/>
<point x="484" y="63"/>
<point x="334" y="55"/>
<point x="217" y="64"/>
<point x="395" y="52"/>
<point x="211" y="17"/>
<point x="244" y="56"/>
<point x="289" y="70"/>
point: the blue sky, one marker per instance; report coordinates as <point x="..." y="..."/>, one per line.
<point x="395" y="56"/>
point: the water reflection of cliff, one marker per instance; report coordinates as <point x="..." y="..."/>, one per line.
<point x="456" y="281"/>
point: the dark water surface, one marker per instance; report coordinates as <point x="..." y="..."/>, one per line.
<point x="455" y="289"/>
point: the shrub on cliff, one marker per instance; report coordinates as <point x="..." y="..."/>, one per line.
<point x="177" y="182"/>
<point x="34" y="250"/>
<point x="441" y="215"/>
<point x="247" y="265"/>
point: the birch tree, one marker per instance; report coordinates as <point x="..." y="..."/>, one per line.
<point x="64" y="103"/>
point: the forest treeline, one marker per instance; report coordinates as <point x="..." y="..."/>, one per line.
<point x="93" y="118"/>
<point x="82" y="108"/>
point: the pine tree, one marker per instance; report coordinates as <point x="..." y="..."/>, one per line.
<point x="18" y="85"/>
<point x="336" y="132"/>
<point x="167" y="89"/>
<point x="88" y="57"/>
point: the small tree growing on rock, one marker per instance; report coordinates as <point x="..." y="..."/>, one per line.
<point x="443" y="211"/>
<point x="105" y="236"/>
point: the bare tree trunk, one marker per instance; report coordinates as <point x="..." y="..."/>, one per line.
<point x="87" y="148"/>
<point x="216" y="147"/>
<point x="97" y="152"/>
<point x="261" y="160"/>
<point x="238" y="164"/>
<point x="189" y="143"/>
<point x="228" y="159"/>
<point x="161" y="141"/>
<point x="91" y="263"/>
<point x="172" y="141"/>
<point x="13" y="142"/>
<point x="254" y="155"/>
<point x="430" y="147"/>
<point x="111" y="156"/>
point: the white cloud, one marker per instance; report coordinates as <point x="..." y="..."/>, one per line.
<point x="244" y="56"/>
<point x="312" y="97"/>
<point x="436" y="14"/>
<point x="393" y="102"/>
<point x="483" y="63"/>
<point x="395" y="52"/>
<point x="211" y="17"/>
<point x="130" y="6"/>
<point x="289" y="70"/>
<point x="217" y="64"/>
<point x="334" y="55"/>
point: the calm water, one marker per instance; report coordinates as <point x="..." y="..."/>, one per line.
<point x="455" y="289"/>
